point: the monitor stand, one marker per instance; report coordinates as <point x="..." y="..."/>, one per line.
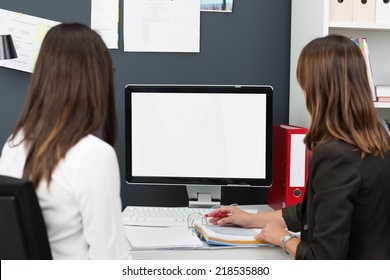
<point x="203" y="196"/>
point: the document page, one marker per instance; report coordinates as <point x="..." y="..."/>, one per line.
<point x="27" y="34"/>
<point x="162" y="238"/>
<point x="228" y="235"/>
<point x="105" y="20"/>
<point x="161" y="26"/>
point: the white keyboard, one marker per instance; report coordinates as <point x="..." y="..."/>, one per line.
<point x="161" y="216"/>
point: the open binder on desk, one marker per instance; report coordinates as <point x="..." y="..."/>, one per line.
<point x="224" y="236"/>
<point x="198" y="234"/>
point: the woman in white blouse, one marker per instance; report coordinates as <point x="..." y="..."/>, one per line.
<point x="63" y="142"/>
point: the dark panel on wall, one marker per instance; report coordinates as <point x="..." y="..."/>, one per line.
<point x="249" y="46"/>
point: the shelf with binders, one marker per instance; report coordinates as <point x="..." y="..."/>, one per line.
<point x="307" y="25"/>
<point x="374" y="27"/>
<point x="378" y="41"/>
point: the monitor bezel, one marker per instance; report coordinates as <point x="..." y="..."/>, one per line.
<point x="208" y="181"/>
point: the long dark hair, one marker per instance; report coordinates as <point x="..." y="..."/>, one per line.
<point x="332" y="73"/>
<point x="71" y="94"/>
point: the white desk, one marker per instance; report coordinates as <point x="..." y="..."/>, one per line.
<point x="262" y="253"/>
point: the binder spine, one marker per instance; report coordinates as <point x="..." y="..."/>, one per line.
<point x="289" y="166"/>
<point x="363" y="11"/>
<point x="276" y="193"/>
<point x="382" y="11"/>
<point x="340" y="11"/>
<point x="298" y="169"/>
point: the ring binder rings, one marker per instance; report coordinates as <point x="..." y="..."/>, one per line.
<point x="193" y="218"/>
<point x="201" y="219"/>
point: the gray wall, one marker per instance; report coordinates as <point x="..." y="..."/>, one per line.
<point x="249" y="46"/>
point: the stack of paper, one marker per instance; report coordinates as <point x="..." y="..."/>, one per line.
<point x="228" y="235"/>
<point x="383" y="93"/>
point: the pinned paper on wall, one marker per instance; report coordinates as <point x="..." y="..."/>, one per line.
<point x="161" y="26"/>
<point x="216" y="5"/>
<point x="105" y="20"/>
<point x="27" y="33"/>
<point x="40" y="32"/>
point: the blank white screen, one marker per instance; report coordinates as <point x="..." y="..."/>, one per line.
<point x="214" y="135"/>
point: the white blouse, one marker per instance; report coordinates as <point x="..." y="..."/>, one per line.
<point x="82" y="206"/>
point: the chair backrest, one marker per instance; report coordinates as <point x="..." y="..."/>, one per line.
<point x="23" y="232"/>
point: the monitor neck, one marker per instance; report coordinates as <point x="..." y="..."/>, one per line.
<point x="203" y="196"/>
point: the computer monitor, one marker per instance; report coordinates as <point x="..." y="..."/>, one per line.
<point x="199" y="136"/>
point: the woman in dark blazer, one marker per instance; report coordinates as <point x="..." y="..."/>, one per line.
<point x="346" y="210"/>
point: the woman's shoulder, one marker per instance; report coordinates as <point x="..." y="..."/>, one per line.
<point x="335" y="146"/>
<point x="90" y="148"/>
<point x="335" y="149"/>
<point x="91" y="142"/>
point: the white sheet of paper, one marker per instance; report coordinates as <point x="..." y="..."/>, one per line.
<point x="105" y="20"/>
<point x="27" y="33"/>
<point x="162" y="237"/>
<point x="161" y="25"/>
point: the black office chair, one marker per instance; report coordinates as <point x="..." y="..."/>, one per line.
<point x="23" y="232"/>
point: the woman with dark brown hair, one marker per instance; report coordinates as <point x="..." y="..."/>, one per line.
<point x="346" y="210"/>
<point x="63" y="142"/>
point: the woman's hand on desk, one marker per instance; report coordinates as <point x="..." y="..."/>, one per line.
<point x="230" y="215"/>
<point x="272" y="233"/>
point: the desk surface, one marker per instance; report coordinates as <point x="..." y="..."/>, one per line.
<point x="262" y="253"/>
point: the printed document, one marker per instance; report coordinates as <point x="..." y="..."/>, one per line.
<point x="161" y="26"/>
<point x="105" y="20"/>
<point x="27" y="33"/>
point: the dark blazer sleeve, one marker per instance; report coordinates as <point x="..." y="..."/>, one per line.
<point x="334" y="186"/>
<point x="291" y="216"/>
